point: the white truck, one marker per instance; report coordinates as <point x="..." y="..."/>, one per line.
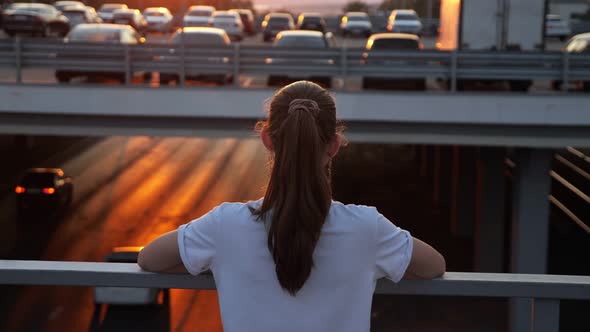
<point x="488" y="25"/>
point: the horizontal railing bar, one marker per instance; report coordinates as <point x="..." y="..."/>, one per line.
<point x="18" y="272"/>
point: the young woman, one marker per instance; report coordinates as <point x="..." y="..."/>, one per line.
<point x="295" y="260"/>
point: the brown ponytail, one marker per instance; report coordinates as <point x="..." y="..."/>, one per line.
<point x="301" y="124"/>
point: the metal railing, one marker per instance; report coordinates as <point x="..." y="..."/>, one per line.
<point x="235" y="60"/>
<point x="546" y="291"/>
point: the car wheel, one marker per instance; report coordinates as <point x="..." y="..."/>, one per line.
<point x="325" y="82"/>
<point x="47" y="31"/>
<point x="147" y="77"/>
<point x="62" y="77"/>
<point x="10" y="33"/>
<point x="367" y="84"/>
<point x="586" y="86"/>
<point x="421" y="85"/>
<point x="519" y="86"/>
<point x="272" y="81"/>
<point x="562" y="38"/>
<point x="556" y="85"/>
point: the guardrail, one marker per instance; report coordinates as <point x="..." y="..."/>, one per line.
<point x="546" y="291"/>
<point x="518" y="68"/>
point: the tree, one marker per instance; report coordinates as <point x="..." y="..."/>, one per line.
<point x="356" y="6"/>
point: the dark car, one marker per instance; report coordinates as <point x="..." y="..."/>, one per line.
<point x="36" y="19"/>
<point x="199" y="37"/>
<point x="578" y="44"/>
<point x="382" y="43"/>
<point x="105" y="12"/>
<point x="247" y="20"/>
<point x="101" y="34"/>
<point x="274" y="23"/>
<point x="132" y="17"/>
<point x="130" y="308"/>
<point x="303" y="39"/>
<point x="45" y="189"/>
<point x="311" y="21"/>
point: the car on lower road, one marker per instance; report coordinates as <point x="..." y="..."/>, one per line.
<point x="198" y="16"/>
<point x="105" y="12"/>
<point x="43" y="189"/>
<point x="228" y="21"/>
<point x="311" y="68"/>
<point x="132" y="17"/>
<point x="274" y="23"/>
<point x="311" y="21"/>
<point x="404" y="21"/>
<point x="130" y="308"/>
<point x="158" y="19"/>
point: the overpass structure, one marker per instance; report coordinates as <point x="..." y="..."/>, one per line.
<point x="531" y="125"/>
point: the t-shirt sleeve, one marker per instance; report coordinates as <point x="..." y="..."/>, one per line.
<point x="196" y="242"/>
<point x="394" y="250"/>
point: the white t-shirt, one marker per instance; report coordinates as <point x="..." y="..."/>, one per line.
<point x="357" y="246"/>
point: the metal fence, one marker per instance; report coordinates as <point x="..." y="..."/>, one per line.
<point x="183" y="61"/>
<point x="545" y="291"/>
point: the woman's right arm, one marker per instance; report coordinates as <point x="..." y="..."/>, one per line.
<point x="426" y="262"/>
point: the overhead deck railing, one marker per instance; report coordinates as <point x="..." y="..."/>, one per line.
<point x="335" y="62"/>
<point x="545" y="290"/>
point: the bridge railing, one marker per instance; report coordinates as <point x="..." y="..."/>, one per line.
<point x="546" y="291"/>
<point x="237" y="59"/>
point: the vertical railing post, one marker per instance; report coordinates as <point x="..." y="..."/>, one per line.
<point x="18" y="59"/>
<point x="127" y="64"/>
<point x="236" y="63"/>
<point x="454" y="71"/>
<point x="343" y="65"/>
<point x="545" y="315"/>
<point x="182" y="74"/>
<point x="565" y="72"/>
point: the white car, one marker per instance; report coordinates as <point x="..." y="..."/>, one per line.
<point x="228" y="21"/>
<point x="198" y="16"/>
<point x="158" y="19"/>
<point x="404" y="21"/>
<point x="556" y="27"/>
<point x="356" y="23"/>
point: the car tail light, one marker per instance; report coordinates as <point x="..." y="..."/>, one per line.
<point x="20" y="190"/>
<point x="48" y="191"/>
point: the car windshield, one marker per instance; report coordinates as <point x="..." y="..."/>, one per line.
<point x="154" y="14"/>
<point x="224" y="17"/>
<point x="198" y="38"/>
<point x="312" y="19"/>
<point x="35" y="10"/>
<point x="95" y="36"/>
<point x="395" y="44"/>
<point x="199" y="12"/>
<point x="73" y="14"/>
<point x="123" y="15"/>
<point x="357" y="18"/>
<point x="406" y="17"/>
<point x="110" y="8"/>
<point x="301" y="42"/>
<point x="38" y="180"/>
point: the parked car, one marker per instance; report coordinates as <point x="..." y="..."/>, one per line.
<point x="385" y="42"/>
<point x="60" y="5"/>
<point x="274" y="23"/>
<point x="356" y="24"/>
<point x="200" y="37"/>
<point x="556" y="27"/>
<point x="228" y="21"/>
<point x="247" y="18"/>
<point x="43" y="189"/>
<point x="94" y="18"/>
<point x="311" y="21"/>
<point x="578" y="44"/>
<point x="198" y="16"/>
<point x="130" y="308"/>
<point x="106" y="11"/>
<point x="77" y="15"/>
<point x="305" y="39"/>
<point x="36" y="19"/>
<point x="132" y="17"/>
<point x="102" y="34"/>
<point x="158" y="19"/>
<point x="404" y="21"/>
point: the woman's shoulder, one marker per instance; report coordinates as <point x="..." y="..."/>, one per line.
<point x="362" y="213"/>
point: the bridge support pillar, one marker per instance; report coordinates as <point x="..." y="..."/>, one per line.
<point x="489" y="225"/>
<point x="530" y="225"/>
<point x="463" y="191"/>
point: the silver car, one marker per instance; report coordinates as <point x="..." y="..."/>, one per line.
<point x="404" y="21"/>
<point x="228" y="21"/>
<point x="198" y="16"/>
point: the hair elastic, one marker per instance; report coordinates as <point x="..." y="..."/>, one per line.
<point x="304" y="105"/>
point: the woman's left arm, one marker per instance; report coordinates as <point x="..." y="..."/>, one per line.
<point x="162" y="255"/>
